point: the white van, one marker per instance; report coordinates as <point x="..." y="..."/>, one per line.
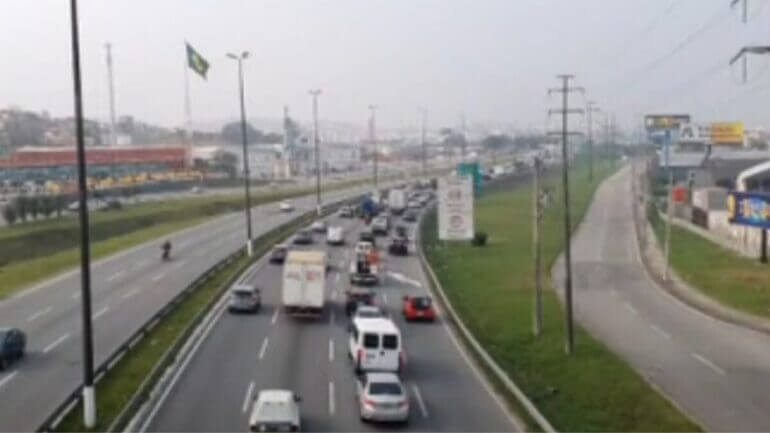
<point x="375" y="345"/>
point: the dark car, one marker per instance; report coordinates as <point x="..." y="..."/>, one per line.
<point x="279" y="253"/>
<point x="303" y="237"/>
<point x="12" y="345"/>
<point x="367" y="236"/>
<point x="410" y="216"/>
<point x="358" y="296"/>
<point x="399" y="247"/>
<point x="401" y="231"/>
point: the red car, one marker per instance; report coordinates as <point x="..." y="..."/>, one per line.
<point x="419" y="308"/>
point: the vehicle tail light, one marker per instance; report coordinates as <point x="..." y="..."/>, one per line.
<point x="369" y="403"/>
<point x="403" y="404"/>
<point x="359" y="356"/>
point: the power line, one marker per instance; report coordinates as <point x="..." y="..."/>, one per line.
<point x="651" y="25"/>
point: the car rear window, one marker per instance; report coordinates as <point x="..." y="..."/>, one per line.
<point x="390" y="341"/>
<point x="422" y="303"/>
<point x="242" y="294"/>
<point x="371" y="341"/>
<point x="385" y="388"/>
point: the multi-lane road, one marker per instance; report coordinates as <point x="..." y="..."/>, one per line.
<point x="243" y="354"/>
<point x="716" y="372"/>
<point x="128" y="288"/>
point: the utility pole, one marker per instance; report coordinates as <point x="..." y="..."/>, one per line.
<point x="565" y="90"/>
<point x="591" y="108"/>
<point x="744" y="19"/>
<point x="373" y="139"/>
<point x="537" y="313"/>
<point x="89" y="396"/>
<point x="111" y="88"/>
<point x="424" y="121"/>
<point x="315" y="94"/>
<point x="240" y="58"/>
<point x="462" y="129"/>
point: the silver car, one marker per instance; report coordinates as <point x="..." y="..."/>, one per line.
<point x="382" y="397"/>
<point x="244" y="298"/>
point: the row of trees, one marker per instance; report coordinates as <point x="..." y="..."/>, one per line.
<point x="23" y="208"/>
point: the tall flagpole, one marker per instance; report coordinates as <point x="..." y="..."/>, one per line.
<point x="187" y="109"/>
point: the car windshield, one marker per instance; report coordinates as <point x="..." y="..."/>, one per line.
<point x="385" y="388"/>
<point x="421" y="303"/>
<point x="367" y="312"/>
<point x="243" y="293"/>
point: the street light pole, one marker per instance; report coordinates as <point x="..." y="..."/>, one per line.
<point x="373" y="138"/>
<point x="315" y="94"/>
<point x="422" y="140"/>
<point x="89" y="397"/>
<point x="240" y="58"/>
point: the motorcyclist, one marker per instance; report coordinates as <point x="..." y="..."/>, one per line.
<point x="166" y="247"/>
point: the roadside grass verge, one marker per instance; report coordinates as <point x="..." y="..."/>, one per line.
<point x="735" y="281"/>
<point x="120" y="384"/>
<point x="492" y="289"/>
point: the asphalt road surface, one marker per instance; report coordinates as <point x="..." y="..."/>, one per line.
<point x="716" y="372"/>
<point x="243" y="354"/>
<point x="128" y="288"/>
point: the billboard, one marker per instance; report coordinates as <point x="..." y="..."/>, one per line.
<point x="748" y="209"/>
<point x="662" y="122"/>
<point x="455" y="208"/>
<point x="727" y="133"/>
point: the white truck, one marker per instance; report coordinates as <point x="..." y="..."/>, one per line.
<point x="304" y="276"/>
<point x="397" y="201"/>
<point x="365" y="266"/>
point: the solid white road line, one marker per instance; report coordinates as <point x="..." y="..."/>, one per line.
<point x="39" y="313"/>
<point x="332" y="407"/>
<point x="101" y="313"/>
<point x="8" y="378"/>
<point x="275" y="316"/>
<point x="58" y="341"/>
<point x="385" y="298"/>
<point x="264" y="348"/>
<point x="630" y="308"/>
<point x="705" y="361"/>
<point x="130" y="293"/>
<point x="115" y="276"/>
<point x="420" y="402"/>
<point x="660" y="332"/>
<point x="331" y="350"/>
<point x="247" y="399"/>
<point x="158" y="277"/>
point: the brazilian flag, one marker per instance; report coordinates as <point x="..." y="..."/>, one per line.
<point x="196" y="62"/>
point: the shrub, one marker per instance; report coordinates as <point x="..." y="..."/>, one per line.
<point x="479" y="239"/>
<point x="10" y="214"/>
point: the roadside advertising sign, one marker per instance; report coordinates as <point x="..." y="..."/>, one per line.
<point x="727" y="133"/>
<point x="455" y="208"/>
<point x="694" y="133"/>
<point x="660" y="122"/>
<point x="748" y="209"/>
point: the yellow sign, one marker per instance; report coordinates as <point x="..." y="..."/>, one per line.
<point x="727" y="133"/>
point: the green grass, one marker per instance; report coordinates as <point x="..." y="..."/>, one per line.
<point x="492" y="289"/>
<point x="734" y="280"/>
<point x="122" y="382"/>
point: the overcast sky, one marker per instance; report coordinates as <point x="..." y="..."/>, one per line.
<point x="490" y="59"/>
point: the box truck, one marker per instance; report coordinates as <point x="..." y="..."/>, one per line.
<point x="304" y="277"/>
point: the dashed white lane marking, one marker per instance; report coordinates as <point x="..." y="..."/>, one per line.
<point x="385" y="298"/>
<point x="331" y="318"/>
<point x="76" y="295"/>
<point x="275" y="316"/>
<point x="32" y="317"/>
<point x="705" y="361"/>
<point x="8" y="378"/>
<point x="614" y="293"/>
<point x="58" y="341"/>
<point x="140" y="263"/>
<point x="630" y="308"/>
<point x="158" y="277"/>
<point x="130" y="293"/>
<point x="660" y="332"/>
<point x="334" y="294"/>
<point x="202" y="253"/>
<point x="115" y="276"/>
<point x="264" y="348"/>
<point x="101" y="313"/>
<point x="247" y="399"/>
<point x="337" y="278"/>
<point x="420" y="402"/>
<point x="180" y="264"/>
<point x="331" y="350"/>
<point x="332" y="405"/>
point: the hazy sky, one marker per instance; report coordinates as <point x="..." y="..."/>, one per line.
<point x="490" y="59"/>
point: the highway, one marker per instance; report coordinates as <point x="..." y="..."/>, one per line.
<point x="716" y="372"/>
<point x="128" y="288"/>
<point x="243" y="354"/>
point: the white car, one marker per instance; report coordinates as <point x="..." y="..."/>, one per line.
<point x="275" y="410"/>
<point x="368" y="312"/>
<point x="286" y="206"/>
<point x="335" y="235"/>
<point x="318" y="226"/>
<point x="382" y="397"/>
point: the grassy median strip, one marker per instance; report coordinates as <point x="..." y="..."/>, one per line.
<point x="119" y="385"/>
<point x="492" y="289"/>
<point x="734" y="280"/>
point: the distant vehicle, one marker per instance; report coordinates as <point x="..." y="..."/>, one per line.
<point x="275" y="410"/>
<point x="278" y="254"/>
<point x="244" y="298"/>
<point x="419" y="308"/>
<point x="286" y="206"/>
<point x="365" y="267"/>
<point x="196" y="190"/>
<point x="303" y="237"/>
<point x="415" y="203"/>
<point x="375" y="345"/>
<point x="304" y="277"/>
<point x="346" y="212"/>
<point x="335" y="235"/>
<point x="401" y="231"/>
<point x="357" y="296"/>
<point x="381" y="397"/>
<point x="410" y="216"/>
<point x="318" y="226"/>
<point x="13" y="342"/>
<point x="380" y="226"/>
<point x="368" y="312"/>
<point x="399" y="247"/>
<point x="367" y="236"/>
<point x="397" y="201"/>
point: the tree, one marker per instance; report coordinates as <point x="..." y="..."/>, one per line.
<point x="496" y="142"/>
<point x="231" y="133"/>
<point x="20" y="203"/>
<point x="60" y="201"/>
<point x="10" y="214"/>
<point x="47" y="205"/>
<point x="34" y="206"/>
<point x="225" y="161"/>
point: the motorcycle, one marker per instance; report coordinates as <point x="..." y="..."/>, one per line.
<point x="166" y="247"/>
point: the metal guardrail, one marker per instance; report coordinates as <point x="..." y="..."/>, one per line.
<point x="471" y="341"/>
